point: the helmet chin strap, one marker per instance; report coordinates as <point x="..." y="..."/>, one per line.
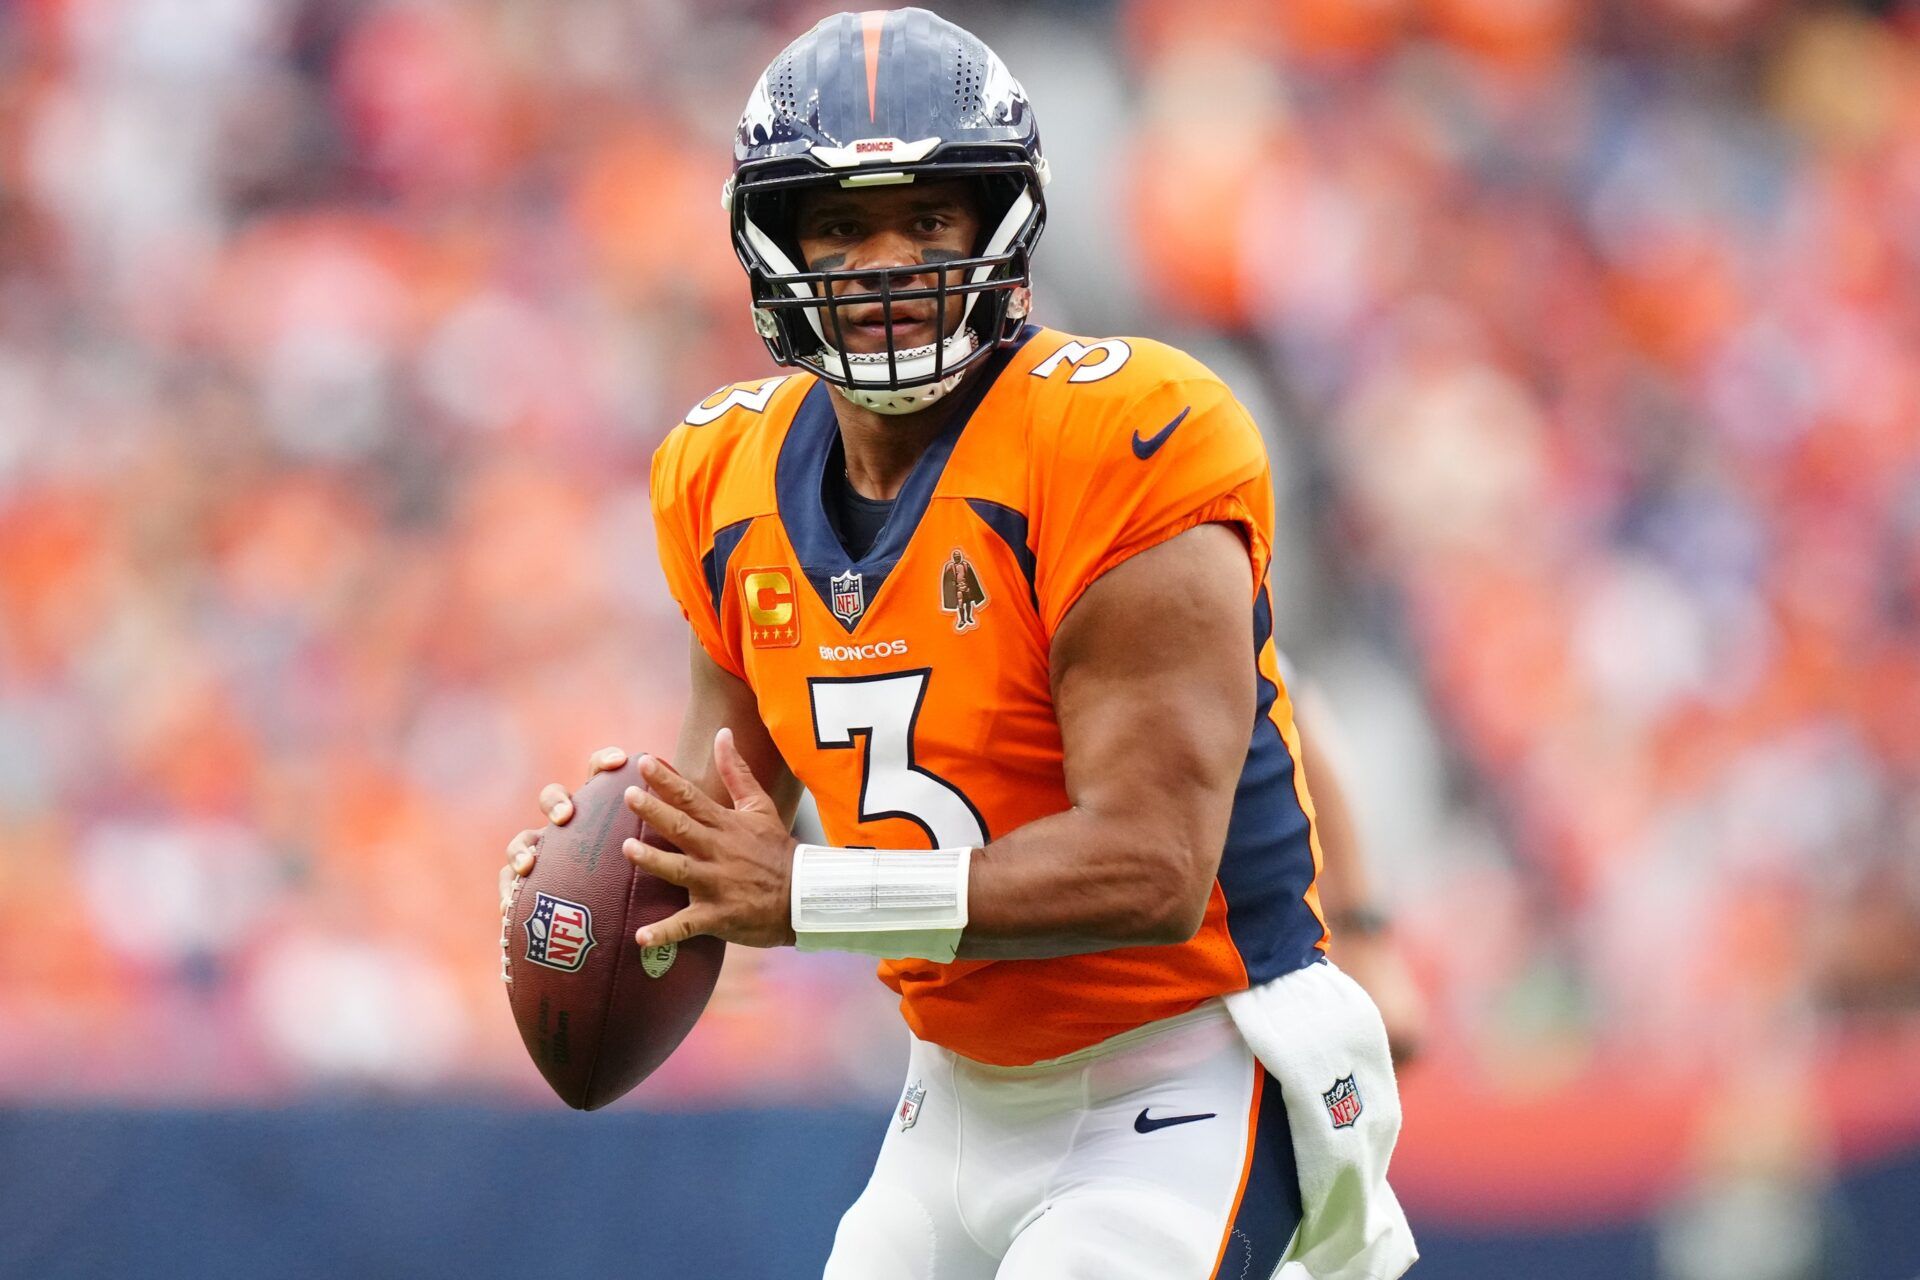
<point x="914" y="399"/>
<point x="873" y="381"/>
<point x="893" y="403"/>
<point x="882" y="399"/>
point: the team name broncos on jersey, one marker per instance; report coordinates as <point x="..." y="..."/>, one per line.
<point x="909" y="689"/>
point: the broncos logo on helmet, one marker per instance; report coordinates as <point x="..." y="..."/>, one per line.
<point x="884" y="97"/>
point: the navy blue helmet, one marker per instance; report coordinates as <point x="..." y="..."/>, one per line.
<point x="886" y="97"/>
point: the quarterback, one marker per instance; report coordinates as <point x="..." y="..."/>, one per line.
<point x="997" y="595"/>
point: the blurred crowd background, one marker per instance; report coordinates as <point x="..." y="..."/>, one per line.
<point x="335" y="336"/>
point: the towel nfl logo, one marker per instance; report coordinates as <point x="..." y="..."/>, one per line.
<point x="1343" y="1102"/>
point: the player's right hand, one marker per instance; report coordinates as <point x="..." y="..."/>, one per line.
<point x="556" y="802"/>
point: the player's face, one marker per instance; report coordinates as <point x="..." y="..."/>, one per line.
<point x="919" y="223"/>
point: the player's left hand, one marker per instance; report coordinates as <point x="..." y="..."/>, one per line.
<point x="1377" y="963"/>
<point x="735" y="864"/>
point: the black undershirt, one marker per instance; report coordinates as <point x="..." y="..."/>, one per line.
<point x="856" y="519"/>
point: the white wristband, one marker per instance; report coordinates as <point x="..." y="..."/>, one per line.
<point x="891" y="903"/>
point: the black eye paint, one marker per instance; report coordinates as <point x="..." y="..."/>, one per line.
<point x="929" y="258"/>
<point x="935" y="257"/>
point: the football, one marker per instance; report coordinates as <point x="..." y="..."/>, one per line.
<point x="598" y="1013"/>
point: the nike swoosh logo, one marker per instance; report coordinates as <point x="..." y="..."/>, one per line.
<point x="1142" y="1123"/>
<point x="1144" y="449"/>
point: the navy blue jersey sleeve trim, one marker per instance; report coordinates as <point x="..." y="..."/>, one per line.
<point x="1011" y="525"/>
<point x="1267" y="865"/>
<point x="719" y="555"/>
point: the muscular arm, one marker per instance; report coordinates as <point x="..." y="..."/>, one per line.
<point x="720" y="700"/>
<point x="1153" y="683"/>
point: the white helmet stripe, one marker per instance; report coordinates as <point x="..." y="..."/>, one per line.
<point x="1002" y="237"/>
<point x="777" y="259"/>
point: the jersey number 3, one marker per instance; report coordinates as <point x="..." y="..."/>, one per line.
<point x="884" y="711"/>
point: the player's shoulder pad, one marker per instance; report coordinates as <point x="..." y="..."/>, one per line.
<point x="740" y="403"/>
<point x="1097" y="387"/>
<point x="720" y="423"/>
<point x="1114" y="368"/>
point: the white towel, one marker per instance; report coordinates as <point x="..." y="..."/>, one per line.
<point x="1320" y="1037"/>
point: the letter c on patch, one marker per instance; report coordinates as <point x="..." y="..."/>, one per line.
<point x="769" y="595"/>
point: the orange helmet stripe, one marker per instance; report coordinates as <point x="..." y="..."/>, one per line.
<point x="871" y="21"/>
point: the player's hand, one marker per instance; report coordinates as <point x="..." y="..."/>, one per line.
<point x="736" y="864"/>
<point x="557" y="804"/>
<point x="1377" y="964"/>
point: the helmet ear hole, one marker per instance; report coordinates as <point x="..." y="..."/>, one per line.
<point x="776" y="213"/>
<point x="997" y="194"/>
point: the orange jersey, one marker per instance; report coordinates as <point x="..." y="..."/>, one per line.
<point x="910" y="689"/>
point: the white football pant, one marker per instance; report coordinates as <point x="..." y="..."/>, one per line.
<point x="1166" y="1153"/>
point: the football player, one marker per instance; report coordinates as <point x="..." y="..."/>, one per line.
<point x="998" y="596"/>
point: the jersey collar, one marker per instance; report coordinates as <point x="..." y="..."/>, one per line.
<point x="802" y="467"/>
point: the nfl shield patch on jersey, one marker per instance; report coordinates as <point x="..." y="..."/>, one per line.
<point x="849" y="596"/>
<point x="1343" y="1102"/>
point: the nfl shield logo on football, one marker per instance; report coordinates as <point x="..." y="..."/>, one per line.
<point x="910" y="1104"/>
<point x="1343" y="1102"/>
<point x="849" y="596"/>
<point x="559" y="933"/>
